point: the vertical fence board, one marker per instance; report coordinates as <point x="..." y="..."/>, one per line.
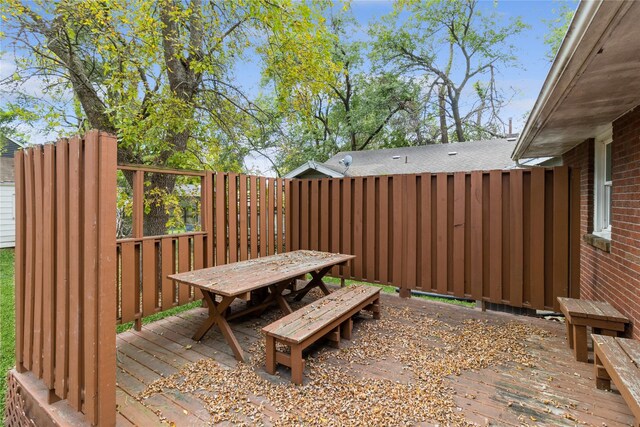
<point x="516" y="239"/>
<point x="20" y="257"/>
<point x="167" y="252"/>
<point x="476" y="235"/>
<point x="397" y="220"/>
<point x="495" y="236"/>
<point x="304" y="214"/>
<point x="106" y="291"/>
<point x="137" y="215"/>
<point x="280" y="220"/>
<point x="289" y="204"/>
<point x="206" y="199"/>
<point x="254" y="216"/>
<point x="184" y="249"/>
<point x="76" y="257"/>
<point x="335" y="200"/>
<point x="29" y="258"/>
<point x="411" y="219"/>
<point x="459" y="229"/>
<point x="536" y="261"/>
<point x="90" y="276"/>
<point x="560" y="236"/>
<point x="48" y="266"/>
<point x="383" y="213"/>
<point x="199" y="260"/>
<point x="370" y="247"/>
<point x="149" y="277"/>
<point x="38" y="274"/>
<point x="62" y="268"/>
<point x="347" y="229"/>
<point x="441" y="237"/>
<point x="262" y="212"/>
<point x="129" y="273"/>
<point x="358" y="224"/>
<point x="425" y="231"/>
<point x="244" y="219"/>
<point x="220" y="219"/>
<point x="325" y="232"/>
<point x="232" y="200"/>
<point x="314" y="215"/>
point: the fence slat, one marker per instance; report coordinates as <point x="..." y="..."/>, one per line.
<point x="90" y="276"/>
<point x="371" y="230"/>
<point x="48" y="266"/>
<point x="425" y="231"/>
<point x="560" y="237"/>
<point x="149" y="277"/>
<point x="207" y="214"/>
<point x="168" y="254"/>
<point x="129" y="308"/>
<point x="62" y="283"/>
<point x="325" y="232"/>
<point x="184" y="249"/>
<point x="304" y="214"/>
<point x="262" y="211"/>
<point x="358" y="224"/>
<point x="347" y="229"/>
<point x="254" y="216"/>
<point x="516" y="238"/>
<point x="20" y="257"/>
<point x="221" y="219"/>
<point x="244" y="220"/>
<point x="476" y="235"/>
<point x="280" y="220"/>
<point x="232" y="201"/>
<point x="441" y="234"/>
<point x="495" y="236"/>
<point x="459" y="229"/>
<point x="76" y="260"/>
<point x="38" y="274"/>
<point x="397" y="220"/>
<point x="411" y="219"/>
<point x="536" y="262"/>
<point x="383" y="250"/>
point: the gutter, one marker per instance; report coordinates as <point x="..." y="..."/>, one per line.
<point x="580" y="23"/>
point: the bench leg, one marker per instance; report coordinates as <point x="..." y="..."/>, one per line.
<point x="580" y="343"/>
<point x="603" y="380"/>
<point x="569" y="333"/>
<point x="270" y="350"/>
<point x="346" y="329"/>
<point x="296" y="364"/>
<point x="334" y="337"/>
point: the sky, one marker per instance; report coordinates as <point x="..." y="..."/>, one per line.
<point x="526" y="80"/>
<point x="531" y="51"/>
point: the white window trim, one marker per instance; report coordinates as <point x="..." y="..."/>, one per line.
<point x="601" y="142"/>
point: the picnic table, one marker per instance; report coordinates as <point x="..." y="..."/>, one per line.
<point x="222" y="284"/>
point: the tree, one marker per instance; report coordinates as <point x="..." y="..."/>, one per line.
<point x="558" y="28"/>
<point x="159" y="73"/>
<point x="458" y="50"/>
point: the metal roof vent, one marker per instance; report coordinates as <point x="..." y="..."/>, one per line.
<point x="395" y="157"/>
<point x="452" y="153"/>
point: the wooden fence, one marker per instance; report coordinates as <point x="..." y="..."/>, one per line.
<point x="507" y="237"/>
<point x="241" y="217"/>
<point x="65" y="271"/>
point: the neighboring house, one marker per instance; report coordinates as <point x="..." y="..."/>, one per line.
<point x="454" y="157"/>
<point x="588" y="112"/>
<point x="7" y="193"/>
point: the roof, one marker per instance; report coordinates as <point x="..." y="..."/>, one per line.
<point x="8" y="147"/>
<point x="593" y="80"/>
<point x="321" y="170"/>
<point x="469" y="156"/>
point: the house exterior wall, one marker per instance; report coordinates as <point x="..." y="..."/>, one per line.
<point x="613" y="276"/>
<point x="7" y="215"/>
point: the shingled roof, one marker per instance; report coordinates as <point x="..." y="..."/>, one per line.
<point x="454" y="157"/>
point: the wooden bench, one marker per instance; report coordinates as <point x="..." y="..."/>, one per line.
<point x="618" y="359"/>
<point x="600" y="316"/>
<point x="330" y="317"/>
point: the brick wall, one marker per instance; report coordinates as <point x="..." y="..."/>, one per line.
<point x="614" y="276"/>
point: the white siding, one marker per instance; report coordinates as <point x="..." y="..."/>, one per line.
<point x="7" y="215"/>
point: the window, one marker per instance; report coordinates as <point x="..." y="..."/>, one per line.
<point x="602" y="185"/>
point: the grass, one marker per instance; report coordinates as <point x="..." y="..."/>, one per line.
<point x="7" y="330"/>
<point x="149" y="319"/>
<point x="392" y="290"/>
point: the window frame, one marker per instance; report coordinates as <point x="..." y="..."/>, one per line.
<point x="602" y="197"/>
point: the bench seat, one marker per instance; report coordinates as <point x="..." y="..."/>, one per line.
<point x="579" y="314"/>
<point x="330" y="317"/>
<point x="618" y="360"/>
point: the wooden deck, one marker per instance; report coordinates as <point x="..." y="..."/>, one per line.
<point x="553" y="390"/>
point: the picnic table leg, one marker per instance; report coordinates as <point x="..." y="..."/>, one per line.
<point x="216" y="316"/>
<point x="580" y="343"/>
<point x="276" y="291"/>
<point x="316" y="280"/>
<point x="296" y="364"/>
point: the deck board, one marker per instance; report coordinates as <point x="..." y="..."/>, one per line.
<point x="555" y="391"/>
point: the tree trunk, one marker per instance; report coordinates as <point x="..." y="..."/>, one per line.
<point x="442" y="112"/>
<point x="455" y="111"/>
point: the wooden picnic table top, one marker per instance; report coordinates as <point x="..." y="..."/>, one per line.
<point x="241" y="277"/>
<point x="591" y="309"/>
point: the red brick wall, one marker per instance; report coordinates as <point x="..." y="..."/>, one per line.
<point x="614" y="276"/>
